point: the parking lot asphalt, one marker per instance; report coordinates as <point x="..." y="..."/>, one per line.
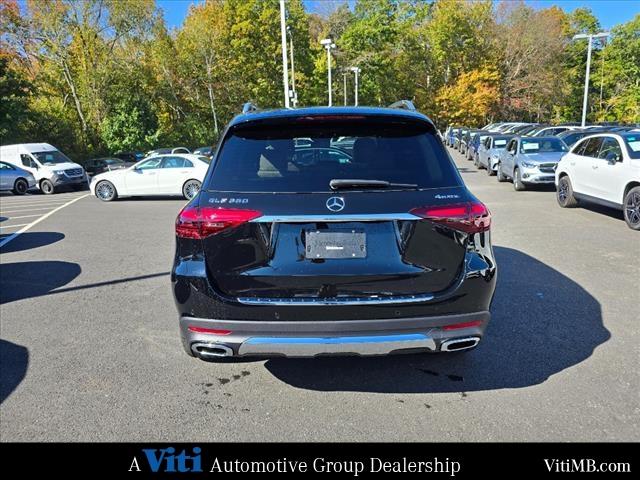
<point x="90" y="349"/>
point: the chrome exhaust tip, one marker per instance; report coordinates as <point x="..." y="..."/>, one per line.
<point x="458" y="344"/>
<point x="210" y="351"/>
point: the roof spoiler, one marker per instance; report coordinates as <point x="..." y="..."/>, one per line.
<point x="249" y="108"/>
<point x="404" y="104"/>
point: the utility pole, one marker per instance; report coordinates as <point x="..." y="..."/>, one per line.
<point x="586" y="78"/>
<point x="294" y="97"/>
<point x="355" y="71"/>
<point x="344" y="80"/>
<point x="285" y="71"/>
<point x="328" y="44"/>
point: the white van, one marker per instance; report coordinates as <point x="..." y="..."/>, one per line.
<point x="51" y="168"/>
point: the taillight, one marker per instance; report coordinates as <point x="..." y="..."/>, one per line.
<point x="198" y="223"/>
<point x="208" y="331"/>
<point x="470" y="217"/>
<point x="459" y="326"/>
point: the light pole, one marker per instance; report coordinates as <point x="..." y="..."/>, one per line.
<point x="344" y="86"/>
<point x="285" y="71"/>
<point x="586" y="78"/>
<point x="328" y="44"/>
<point x="356" y="71"/>
<point x="294" y="97"/>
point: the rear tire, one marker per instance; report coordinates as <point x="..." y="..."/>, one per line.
<point x="106" y="191"/>
<point x="191" y="188"/>
<point x="632" y="208"/>
<point x="20" y="187"/>
<point x="564" y="193"/>
<point x="518" y="186"/>
<point x="47" y="187"/>
<point x="501" y="176"/>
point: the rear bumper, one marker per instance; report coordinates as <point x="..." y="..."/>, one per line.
<point x="345" y="337"/>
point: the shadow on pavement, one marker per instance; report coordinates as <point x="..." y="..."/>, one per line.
<point x="602" y="210"/>
<point x="30" y="240"/>
<point x="14" y="360"/>
<point x="542" y="323"/>
<point x="32" y="279"/>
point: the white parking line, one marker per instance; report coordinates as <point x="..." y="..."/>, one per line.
<point x="6" y="240"/>
<point x="20" y="210"/>
<point x="26" y="216"/>
<point x="38" y="199"/>
<point x="32" y="205"/>
<point x="13" y="226"/>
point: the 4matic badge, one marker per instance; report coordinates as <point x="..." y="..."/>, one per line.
<point x="234" y="201"/>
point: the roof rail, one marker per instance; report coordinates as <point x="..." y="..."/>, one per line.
<point x="404" y="104"/>
<point x="249" y="107"/>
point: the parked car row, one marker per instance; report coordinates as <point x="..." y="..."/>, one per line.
<point x="595" y="164"/>
<point x="41" y="166"/>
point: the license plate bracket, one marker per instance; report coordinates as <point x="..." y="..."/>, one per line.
<point x="322" y="245"/>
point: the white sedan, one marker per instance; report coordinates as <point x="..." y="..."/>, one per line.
<point x="170" y="174"/>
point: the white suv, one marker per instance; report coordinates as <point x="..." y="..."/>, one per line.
<point x="604" y="169"/>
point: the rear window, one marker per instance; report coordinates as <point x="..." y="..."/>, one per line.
<point x="633" y="145"/>
<point x="305" y="158"/>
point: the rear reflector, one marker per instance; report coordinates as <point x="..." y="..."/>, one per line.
<point x="470" y="217"/>
<point x="198" y="223"/>
<point x="210" y="331"/>
<point x="458" y="326"/>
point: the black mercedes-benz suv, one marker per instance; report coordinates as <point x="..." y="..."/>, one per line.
<point x="323" y="231"/>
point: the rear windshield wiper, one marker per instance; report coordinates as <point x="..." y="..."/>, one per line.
<point x="340" y="183"/>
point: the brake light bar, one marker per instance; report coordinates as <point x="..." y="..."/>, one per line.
<point x="330" y="118"/>
<point x="469" y="217"/>
<point x="458" y="326"/>
<point x="198" y="223"/>
<point x="209" y="331"/>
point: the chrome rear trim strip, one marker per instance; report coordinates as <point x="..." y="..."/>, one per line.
<point x="312" y="346"/>
<point x="306" y="301"/>
<point x="365" y="217"/>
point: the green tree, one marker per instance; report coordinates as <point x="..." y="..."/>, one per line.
<point x="14" y="97"/>
<point x="131" y="125"/>
<point x="620" y="77"/>
<point x="531" y="45"/>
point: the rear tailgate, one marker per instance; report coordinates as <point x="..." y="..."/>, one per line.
<point x="367" y="249"/>
<point x="276" y="230"/>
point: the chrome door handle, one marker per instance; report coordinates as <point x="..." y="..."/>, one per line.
<point x="595" y="167"/>
<point x="572" y="163"/>
<point x="152" y="173"/>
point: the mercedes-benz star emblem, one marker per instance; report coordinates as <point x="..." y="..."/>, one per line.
<point x="335" y="204"/>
